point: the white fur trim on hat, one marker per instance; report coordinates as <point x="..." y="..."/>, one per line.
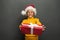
<point x="28" y="8"/>
<point x="23" y="12"/>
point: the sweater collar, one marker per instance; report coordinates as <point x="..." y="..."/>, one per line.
<point x="30" y="18"/>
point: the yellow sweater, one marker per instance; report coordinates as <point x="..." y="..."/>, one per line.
<point x="31" y="20"/>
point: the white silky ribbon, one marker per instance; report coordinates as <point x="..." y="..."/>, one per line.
<point x="32" y="26"/>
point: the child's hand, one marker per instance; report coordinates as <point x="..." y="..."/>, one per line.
<point x="19" y="26"/>
<point x="44" y="28"/>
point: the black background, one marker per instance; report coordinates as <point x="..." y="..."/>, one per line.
<point x="10" y="18"/>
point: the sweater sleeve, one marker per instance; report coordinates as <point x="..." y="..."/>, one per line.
<point x="23" y="22"/>
<point x="38" y="21"/>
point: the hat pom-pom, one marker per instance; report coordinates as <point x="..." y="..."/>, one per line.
<point x="23" y="12"/>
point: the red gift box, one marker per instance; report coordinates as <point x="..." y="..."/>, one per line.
<point x="25" y="29"/>
<point x="28" y="30"/>
<point x="37" y="31"/>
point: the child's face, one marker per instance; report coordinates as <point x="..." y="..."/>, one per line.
<point x="30" y="13"/>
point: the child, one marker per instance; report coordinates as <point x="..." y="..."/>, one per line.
<point x="30" y="12"/>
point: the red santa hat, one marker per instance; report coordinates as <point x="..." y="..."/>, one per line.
<point x="29" y="7"/>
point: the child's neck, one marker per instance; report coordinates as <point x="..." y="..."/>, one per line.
<point x="30" y="17"/>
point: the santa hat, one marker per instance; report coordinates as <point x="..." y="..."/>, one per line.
<point x="29" y="7"/>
